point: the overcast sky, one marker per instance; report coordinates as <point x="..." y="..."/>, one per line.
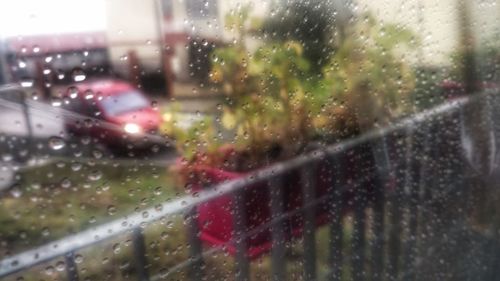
<point x="34" y="17"/>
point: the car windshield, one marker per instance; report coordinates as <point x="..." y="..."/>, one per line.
<point x="124" y="102"/>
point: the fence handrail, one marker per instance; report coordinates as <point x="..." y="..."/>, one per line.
<point x="127" y="223"/>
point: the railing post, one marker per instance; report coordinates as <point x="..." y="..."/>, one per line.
<point x="394" y="244"/>
<point x="383" y="179"/>
<point x="335" y="214"/>
<point x="412" y="194"/>
<point x="195" y="246"/>
<point x="275" y="187"/>
<point x="141" y="262"/>
<point x="358" y="258"/>
<point x="240" y="229"/>
<point x="308" y="182"/>
<point x="358" y="239"/>
<point x="71" y="268"/>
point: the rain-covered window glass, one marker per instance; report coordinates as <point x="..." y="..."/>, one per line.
<point x="200" y="9"/>
<point x="249" y="140"/>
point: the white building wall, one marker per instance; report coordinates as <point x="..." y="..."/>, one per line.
<point x="439" y="30"/>
<point x="133" y="25"/>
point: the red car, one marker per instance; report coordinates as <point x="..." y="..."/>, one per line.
<point x="112" y="111"/>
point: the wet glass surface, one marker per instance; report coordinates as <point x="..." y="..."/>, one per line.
<point x="249" y="140"/>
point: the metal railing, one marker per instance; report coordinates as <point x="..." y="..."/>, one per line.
<point x="407" y="182"/>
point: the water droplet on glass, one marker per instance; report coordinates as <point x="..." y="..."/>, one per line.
<point x="116" y="248"/>
<point x="78" y="75"/>
<point x="73" y="92"/>
<point x="154" y="104"/>
<point x="158" y="190"/>
<point x="95" y="175"/>
<point x="7" y="157"/>
<point x="65" y="183"/>
<point x="76" y="166"/>
<point x="16" y="192"/>
<point x="45" y="231"/>
<point x="78" y="259"/>
<point x="27" y="82"/>
<point x="60" y="266"/>
<point x="56" y="102"/>
<point x="56" y="143"/>
<point x="49" y="270"/>
<point x="111" y="210"/>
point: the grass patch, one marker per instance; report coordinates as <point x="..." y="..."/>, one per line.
<point x="59" y="199"/>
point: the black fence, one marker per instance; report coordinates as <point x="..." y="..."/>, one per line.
<point x="417" y="197"/>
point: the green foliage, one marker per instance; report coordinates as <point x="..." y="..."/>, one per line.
<point x="274" y="98"/>
<point x="267" y="100"/>
<point x="310" y="23"/>
<point x="199" y="136"/>
<point x="369" y="77"/>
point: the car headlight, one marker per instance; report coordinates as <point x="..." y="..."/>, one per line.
<point x="132" y="128"/>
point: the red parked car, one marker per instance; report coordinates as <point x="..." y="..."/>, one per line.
<point x="112" y="111"/>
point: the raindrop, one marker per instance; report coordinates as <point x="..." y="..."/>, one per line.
<point x="45" y="231"/>
<point x="154" y="105"/>
<point x="7" y="157"/>
<point x="158" y="190"/>
<point x="36" y="49"/>
<point x="35" y="96"/>
<point x="116" y="248"/>
<point x="159" y="208"/>
<point x="73" y="92"/>
<point x="95" y="175"/>
<point x="49" y="270"/>
<point x="56" y="143"/>
<point x="97" y="154"/>
<point x="27" y="82"/>
<point x="111" y="210"/>
<point x="16" y="192"/>
<point x="56" y="102"/>
<point x="76" y="166"/>
<point x="65" y="183"/>
<point x="78" y="75"/>
<point x="78" y="259"/>
<point x="60" y="266"/>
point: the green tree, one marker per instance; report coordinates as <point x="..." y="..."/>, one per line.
<point x="314" y="24"/>
<point x="369" y="76"/>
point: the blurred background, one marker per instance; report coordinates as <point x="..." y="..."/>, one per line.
<point x="111" y="109"/>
